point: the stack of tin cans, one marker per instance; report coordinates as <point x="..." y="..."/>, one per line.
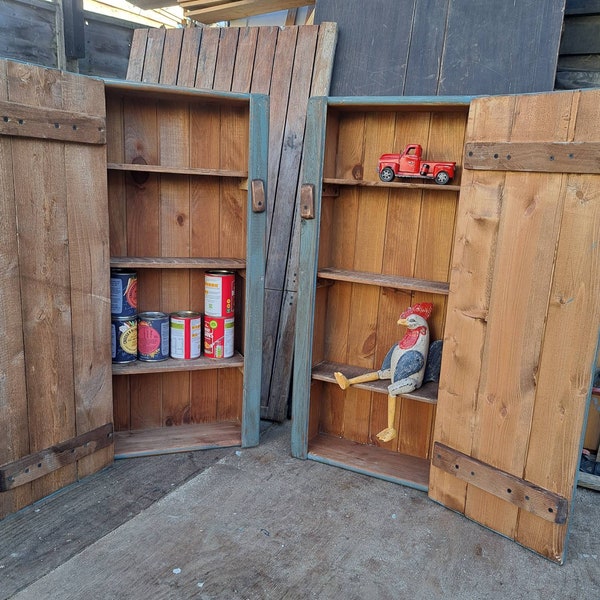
<point x="154" y="336"/>
<point x="143" y="336"/>
<point x="123" y="309"/>
<point x="219" y="309"/>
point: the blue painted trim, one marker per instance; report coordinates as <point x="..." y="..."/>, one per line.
<point x="255" y="271"/>
<point x="314" y="152"/>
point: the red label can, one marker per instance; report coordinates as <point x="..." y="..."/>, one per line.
<point x="218" y="336"/>
<point x="219" y="293"/>
<point x="186" y="334"/>
<point x="153" y="336"/>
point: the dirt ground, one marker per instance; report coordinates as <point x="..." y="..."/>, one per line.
<point x="258" y="524"/>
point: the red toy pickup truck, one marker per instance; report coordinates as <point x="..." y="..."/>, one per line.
<point x="410" y="164"/>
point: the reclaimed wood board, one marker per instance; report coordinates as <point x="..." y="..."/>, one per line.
<point x="55" y="294"/>
<point x="523" y="318"/>
<point x="440" y="47"/>
<point x="289" y="64"/>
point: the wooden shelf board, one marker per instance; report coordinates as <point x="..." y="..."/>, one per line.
<point x="382" y="280"/>
<point x="176" y="170"/>
<point x="140" y="367"/>
<point x="139" y="262"/>
<point x="179" y="438"/>
<point x="370" y="460"/>
<point x="393" y="184"/>
<point x="324" y="371"/>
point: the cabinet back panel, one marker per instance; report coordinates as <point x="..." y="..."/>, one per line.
<point x="397" y="231"/>
<point x="178" y="215"/>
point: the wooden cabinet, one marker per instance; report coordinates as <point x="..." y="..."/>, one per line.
<point x="368" y="251"/>
<point x="511" y="261"/>
<point x="186" y="180"/>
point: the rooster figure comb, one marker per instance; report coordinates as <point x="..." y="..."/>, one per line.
<point x="423" y="309"/>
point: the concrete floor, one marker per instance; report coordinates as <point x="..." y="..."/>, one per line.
<point x="258" y="524"/>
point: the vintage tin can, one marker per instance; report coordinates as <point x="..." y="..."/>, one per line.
<point x="153" y="336"/>
<point x="186" y="334"/>
<point x="219" y="293"/>
<point x="124" y="339"/>
<point x="218" y="336"/>
<point x="123" y="293"/>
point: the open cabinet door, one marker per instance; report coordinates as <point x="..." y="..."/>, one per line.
<point x="55" y="363"/>
<point x="523" y="317"/>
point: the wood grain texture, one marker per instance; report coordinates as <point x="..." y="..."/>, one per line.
<point x="472" y="47"/>
<point x="380" y="250"/>
<point x="510" y="323"/>
<point x="184" y="217"/>
<point x="61" y="262"/>
<point x="289" y="64"/>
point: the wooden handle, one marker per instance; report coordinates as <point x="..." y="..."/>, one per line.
<point x="307" y="201"/>
<point x="258" y="196"/>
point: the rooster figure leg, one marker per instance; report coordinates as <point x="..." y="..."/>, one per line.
<point x="388" y="434"/>
<point x="345" y="383"/>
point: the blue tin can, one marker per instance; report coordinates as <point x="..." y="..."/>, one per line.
<point x="123" y="293"/>
<point x="153" y="336"/>
<point x="124" y="339"/>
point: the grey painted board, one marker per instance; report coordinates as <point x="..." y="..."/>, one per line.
<point x="28" y="31"/>
<point x="404" y="47"/>
<point x="107" y="46"/>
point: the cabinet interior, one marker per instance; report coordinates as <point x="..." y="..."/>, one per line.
<point x="177" y="189"/>
<point x="381" y="248"/>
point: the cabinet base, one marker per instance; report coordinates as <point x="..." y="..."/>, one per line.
<point x="182" y="438"/>
<point x="370" y="460"/>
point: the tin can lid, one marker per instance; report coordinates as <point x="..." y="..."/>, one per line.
<point x="219" y="272"/>
<point x="186" y="314"/>
<point x="152" y="315"/>
<point x="116" y="271"/>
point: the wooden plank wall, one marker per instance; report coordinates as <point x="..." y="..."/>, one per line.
<point x="437" y="47"/>
<point x="55" y="363"/>
<point x="290" y="64"/>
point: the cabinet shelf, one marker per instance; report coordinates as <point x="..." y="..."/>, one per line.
<point x="177" y="170"/>
<point x="324" y="372"/>
<point x="370" y="460"/>
<point x="180" y="438"/>
<point x="171" y="365"/>
<point x="145" y="262"/>
<point x="382" y="280"/>
<point x="424" y="185"/>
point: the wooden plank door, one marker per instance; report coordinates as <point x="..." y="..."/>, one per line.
<point x="55" y="365"/>
<point x="523" y="317"/>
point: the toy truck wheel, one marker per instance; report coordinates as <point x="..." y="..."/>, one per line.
<point x="386" y="174"/>
<point x="442" y="178"/>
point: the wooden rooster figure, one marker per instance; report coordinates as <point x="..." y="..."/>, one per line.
<point x="404" y="364"/>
